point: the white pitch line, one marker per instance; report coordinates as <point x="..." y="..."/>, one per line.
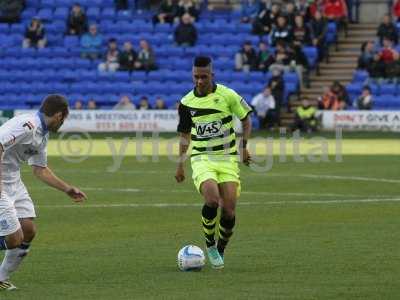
<point x="355" y="178"/>
<point x="292" y="194"/>
<point x="174" y="205"/>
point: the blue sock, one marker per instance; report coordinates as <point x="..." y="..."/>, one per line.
<point x="3" y="245"/>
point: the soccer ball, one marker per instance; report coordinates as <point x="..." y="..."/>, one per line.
<point x="191" y="258"/>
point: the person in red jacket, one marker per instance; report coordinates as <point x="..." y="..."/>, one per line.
<point x="396" y="10"/>
<point x="336" y="10"/>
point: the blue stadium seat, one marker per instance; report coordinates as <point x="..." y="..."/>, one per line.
<point x="390" y="89"/>
<point x="107" y="13"/>
<point x="4" y="28"/>
<point x="360" y="76"/>
<point x="61" y="13"/>
<point x="45" y="14"/>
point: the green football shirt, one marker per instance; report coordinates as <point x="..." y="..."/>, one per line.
<point x="209" y="119"/>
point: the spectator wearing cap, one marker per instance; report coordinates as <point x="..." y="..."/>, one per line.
<point x="246" y="58"/>
<point x="77" y="21"/>
<point x="35" y="35"/>
<point x="91" y="43"/>
<point x="185" y="33"/>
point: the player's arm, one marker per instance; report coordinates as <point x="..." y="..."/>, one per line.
<point x="246" y="125"/>
<point x="242" y="110"/>
<point x="184" y="129"/>
<point x="46" y="175"/>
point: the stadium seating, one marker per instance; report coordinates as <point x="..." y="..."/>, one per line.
<point x="26" y="75"/>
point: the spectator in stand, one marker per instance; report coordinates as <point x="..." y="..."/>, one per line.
<point x="77" y="21"/>
<point x="250" y="9"/>
<point x="144" y="103"/>
<point x="277" y="86"/>
<point x="316" y="6"/>
<point x="265" y="57"/>
<point x="92" y="104"/>
<point x="302" y="7"/>
<point x="125" y="103"/>
<point x="305" y="118"/>
<point x="127" y="58"/>
<point x="187" y="7"/>
<point x="290" y="13"/>
<point x="340" y="91"/>
<point x="35" y="35"/>
<point x="282" y="32"/>
<point x="301" y="33"/>
<point x="160" y="104"/>
<point x="91" y="43"/>
<point x="146" y="58"/>
<point x="366" y="59"/>
<point x="330" y="101"/>
<point x="265" y="20"/>
<point x="319" y="27"/>
<point x="264" y="106"/>
<point x="111" y="58"/>
<point x="365" y="101"/>
<point x="167" y="12"/>
<point x="78" y="105"/>
<point x="121" y="4"/>
<point x="185" y="33"/>
<point x="336" y="10"/>
<point x="10" y="10"/>
<point x="387" y="30"/>
<point x="246" y="58"/>
<point x="284" y="58"/>
<point x="389" y="58"/>
<point x="396" y="10"/>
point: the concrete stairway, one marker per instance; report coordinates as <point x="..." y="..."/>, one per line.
<point x="341" y="65"/>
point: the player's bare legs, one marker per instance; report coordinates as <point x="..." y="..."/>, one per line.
<point x="228" y="192"/>
<point x="13" y="257"/>
<point x="209" y="190"/>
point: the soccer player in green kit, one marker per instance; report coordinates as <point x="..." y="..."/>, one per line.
<point x="206" y="120"/>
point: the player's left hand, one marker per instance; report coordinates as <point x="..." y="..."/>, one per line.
<point x="245" y="156"/>
<point x="76" y="194"/>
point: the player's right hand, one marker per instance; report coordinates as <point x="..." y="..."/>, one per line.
<point x="180" y="174"/>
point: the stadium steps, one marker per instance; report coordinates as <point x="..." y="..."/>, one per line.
<point x="341" y="65"/>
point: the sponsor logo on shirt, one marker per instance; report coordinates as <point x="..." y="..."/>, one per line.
<point x="209" y="129"/>
<point x="31" y="152"/>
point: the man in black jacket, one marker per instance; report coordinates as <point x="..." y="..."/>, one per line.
<point x="186" y="33"/>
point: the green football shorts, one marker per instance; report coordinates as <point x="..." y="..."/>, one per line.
<point x="223" y="169"/>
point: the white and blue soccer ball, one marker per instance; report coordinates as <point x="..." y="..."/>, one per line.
<point x="191" y="258"/>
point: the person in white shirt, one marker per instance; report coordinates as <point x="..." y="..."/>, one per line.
<point x="264" y="104"/>
<point x="24" y="139"/>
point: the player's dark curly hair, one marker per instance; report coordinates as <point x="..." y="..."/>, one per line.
<point x="53" y="104"/>
<point x="202" y="61"/>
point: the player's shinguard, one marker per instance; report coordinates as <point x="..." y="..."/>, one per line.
<point x="206" y="120"/>
<point x="24" y="139"/>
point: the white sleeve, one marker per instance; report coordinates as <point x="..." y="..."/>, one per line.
<point x="272" y="102"/>
<point x="255" y="100"/>
<point x="39" y="159"/>
<point x="16" y="131"/>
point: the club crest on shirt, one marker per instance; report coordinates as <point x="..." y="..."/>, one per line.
<point x="216" y="100"/>
<point x="4" y="225"/>
<point x="192" y="113"/>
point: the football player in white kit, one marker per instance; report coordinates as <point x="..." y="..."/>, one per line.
<point x="24" y="139"/>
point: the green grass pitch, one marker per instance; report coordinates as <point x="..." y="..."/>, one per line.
<point x="304" y="231"/>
